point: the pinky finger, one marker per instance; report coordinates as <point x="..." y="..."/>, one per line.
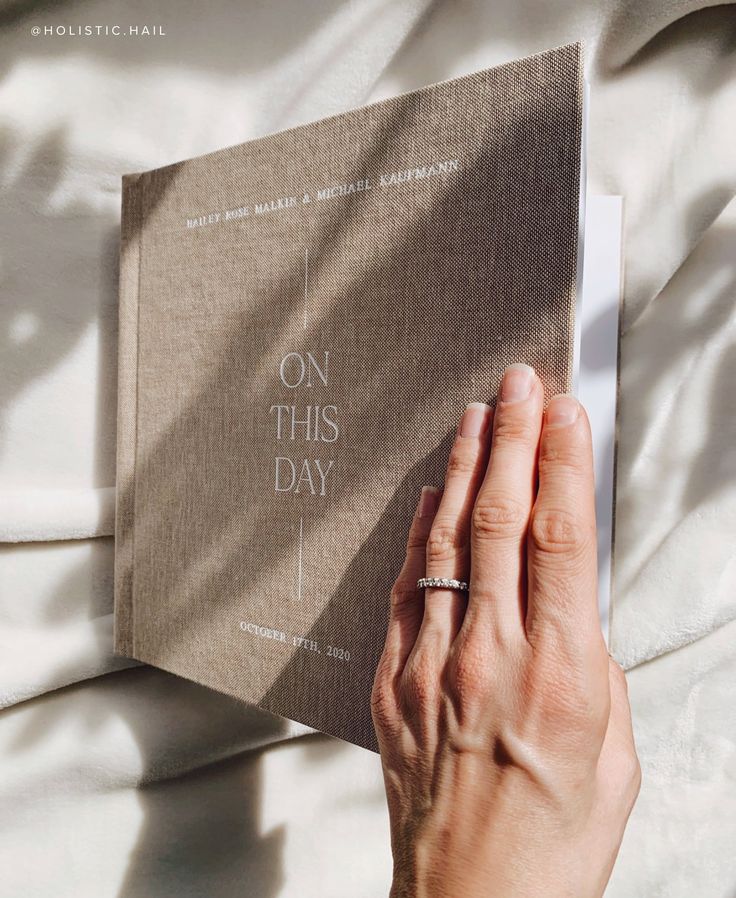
<point x="407" y="602"/>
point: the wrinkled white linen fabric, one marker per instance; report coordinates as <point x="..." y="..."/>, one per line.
<point x="119" y="780"/>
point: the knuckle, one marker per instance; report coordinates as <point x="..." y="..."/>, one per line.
<point x="416" y="541"/>
<point x="498" y="516"/>
<point x="417" y="535"/>
<point x="461" y="461"/>
<point x="572" y="716"/>
<point x="556" y="531"/>
<point x="514" y="426"/>
<point x="560" y="451"/>
<point x="626" y="776"/>
<point x="445" y="543"/>
<point x="419" y="681"/>
<point x="382" y="704"/>
<point x="630" y="766"/>
<point x="623" y="776"/>
<point x="565" y="697"/>
<point x="470" y="674"/>
<point x="402" y="593"/>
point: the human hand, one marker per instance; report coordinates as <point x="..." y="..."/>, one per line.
<point x="504" y="727"/>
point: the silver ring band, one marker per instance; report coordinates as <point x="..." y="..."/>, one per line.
<point x="441" y="583"/>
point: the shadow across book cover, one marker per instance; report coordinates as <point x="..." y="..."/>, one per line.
<point x="303" y="318"/>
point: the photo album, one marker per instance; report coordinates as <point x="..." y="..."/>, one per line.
<point x="303" y="319"/>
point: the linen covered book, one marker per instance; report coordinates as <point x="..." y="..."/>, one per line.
<point x="303" y="319"/>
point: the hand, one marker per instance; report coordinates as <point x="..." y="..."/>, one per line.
<point x="504" y="727"/>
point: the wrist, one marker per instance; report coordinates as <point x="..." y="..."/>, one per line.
<point x="419" y="873"/>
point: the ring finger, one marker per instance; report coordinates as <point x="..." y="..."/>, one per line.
<point x="448" y="545"/>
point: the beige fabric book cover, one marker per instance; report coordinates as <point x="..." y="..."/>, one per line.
<point x="303" y="318"/>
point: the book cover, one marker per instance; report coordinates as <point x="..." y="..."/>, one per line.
<point x="303" y="318"/>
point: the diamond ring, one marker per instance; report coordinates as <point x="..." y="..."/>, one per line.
<point x="442" y="583"/>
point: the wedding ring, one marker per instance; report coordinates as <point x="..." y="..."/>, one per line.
<point x="442" y="583"/>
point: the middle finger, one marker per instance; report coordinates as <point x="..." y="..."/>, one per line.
<point x="503" y="508"/>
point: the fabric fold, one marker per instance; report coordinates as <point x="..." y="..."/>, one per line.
<point x="49" y="515"/>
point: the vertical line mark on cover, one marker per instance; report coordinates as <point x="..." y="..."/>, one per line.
<point x="301" y="545"/>
<point x="306" y="279"/>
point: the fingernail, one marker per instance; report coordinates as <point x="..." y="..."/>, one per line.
<point x="428" y="501"/>
<point x="563" y="409"/>
<point x="517" y="383"/>
<point x="475" y="419"/>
